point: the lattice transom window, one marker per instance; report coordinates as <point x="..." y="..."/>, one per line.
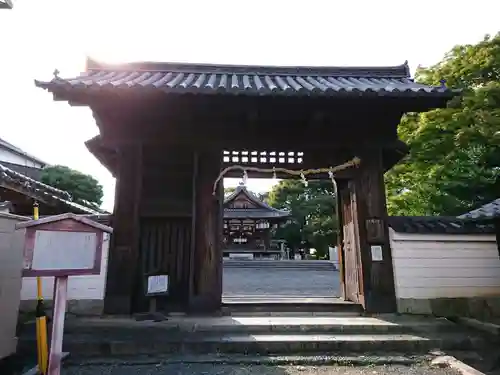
<point x="263" y="157"/>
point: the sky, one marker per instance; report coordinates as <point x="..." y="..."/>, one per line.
<point x="41" y="36"/>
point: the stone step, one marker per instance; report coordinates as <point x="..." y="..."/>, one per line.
<point x="101" y="337"/>
<point x="181" y="326"/>
<point x="291" y="314"/>
<point x="262" y="306"/>
<point x="269" y="344"/>
<point x="349" y="359"/>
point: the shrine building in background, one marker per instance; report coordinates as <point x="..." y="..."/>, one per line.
<point x="249" y="227"/>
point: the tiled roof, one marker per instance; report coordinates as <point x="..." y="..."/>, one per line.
<point x="263" y="210"/>
<point x="104" y="218"/>
<point x="437" y="225"/>
<point x="34" y="173"/>
<point x="9" y="177"/>
<point x="247" y="80"/>
<point x="488" y="211"/>
<point x="253" y="213"/>
<point x="18" y="151"/>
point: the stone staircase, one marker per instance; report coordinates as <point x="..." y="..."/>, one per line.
<point x="278" y="335"/>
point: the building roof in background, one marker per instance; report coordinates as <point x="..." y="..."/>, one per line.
<point x="400" y="224"/>
<point x="487" y="212"/>
<point x="253" y="213"/>
<point x="261" y="209"/>
<point x="12" y="180"/>
<point x="246" y="80"/>
<point x="32" y="172"/>
<point x="6" y="4"/>
<point x="438" y="225"/>
<point x="16" y="150"/>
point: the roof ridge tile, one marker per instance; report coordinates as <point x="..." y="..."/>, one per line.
<point x="399" y="71"/>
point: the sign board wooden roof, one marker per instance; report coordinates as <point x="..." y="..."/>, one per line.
<point x="52" y="219"/>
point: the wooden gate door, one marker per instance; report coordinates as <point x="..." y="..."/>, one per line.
<point x="352" y="259"/>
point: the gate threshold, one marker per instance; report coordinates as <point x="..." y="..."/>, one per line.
<point x="268" y="305"/>
<point x="281" y="299"/>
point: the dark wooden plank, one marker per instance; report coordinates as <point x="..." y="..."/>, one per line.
<point x="191" y="263"/>
<point x="374" y="231"/>
<point x="207" y="282"/>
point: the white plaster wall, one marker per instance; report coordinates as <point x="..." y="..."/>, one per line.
<point x="79" y="287"/>
<point x="10" y="157"/>
<point x="11" y="262"/>
<point x="445" y="266"/>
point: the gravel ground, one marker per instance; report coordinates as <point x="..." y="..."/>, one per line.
<point x="212" y="369"/>
<point x="283" y="282"/>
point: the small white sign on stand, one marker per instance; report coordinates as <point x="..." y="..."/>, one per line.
<point x="62" y="246"/>
<point x="157" y="285"/>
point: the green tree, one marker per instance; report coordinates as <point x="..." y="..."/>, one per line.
<point x="228" y="191"/>
<point x="84" y="189"/>
<point x="313" y="213"/>
<point x="454" y="159"/>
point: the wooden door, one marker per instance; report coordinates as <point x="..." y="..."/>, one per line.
<point x="350" y="246"/>
<point x="164" y="248"/>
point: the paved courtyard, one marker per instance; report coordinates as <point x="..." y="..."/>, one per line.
<point x="268" y="281"/>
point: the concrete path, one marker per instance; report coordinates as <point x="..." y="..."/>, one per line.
<point x="269" y="281"/>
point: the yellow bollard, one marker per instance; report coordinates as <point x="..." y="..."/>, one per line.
<point x="41" y="319"/>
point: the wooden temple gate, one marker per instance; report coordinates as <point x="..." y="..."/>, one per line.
<point x="163" y="131"/>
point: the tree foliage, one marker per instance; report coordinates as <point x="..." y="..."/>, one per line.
<point x="313" y="213"/>
<point x="84" y="189"/>
<point x="454" y="159"/>
<point x="228" y="191"/>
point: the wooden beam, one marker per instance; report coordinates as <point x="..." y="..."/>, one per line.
<point x="231" y="139"/>
<point x="124" y="249"/>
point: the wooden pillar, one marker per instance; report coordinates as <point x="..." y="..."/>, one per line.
<point x="124" y="246"/>
<point x="376" y="257"/>
<point x="267" y="238"/>
<point x="208" y="226"/>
